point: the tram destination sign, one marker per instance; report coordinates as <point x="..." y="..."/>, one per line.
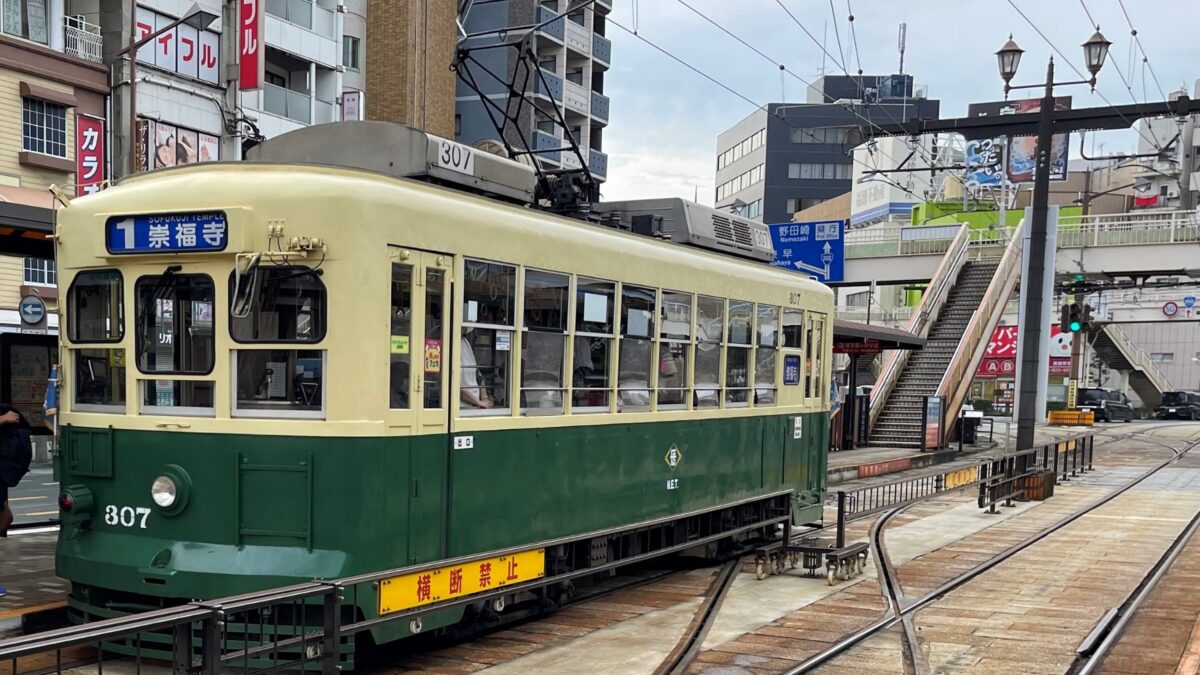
<point x="167" y="233"/>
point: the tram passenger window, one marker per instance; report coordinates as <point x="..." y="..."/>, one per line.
<point x="168" y="397"/>
<point x="279" y="382"/>
<point x="793" y="328"/>
<point x="96" y="307"/>
<point x="766" y="355"/>
<point x="99" y="380"/>
<point x="710" y="326"/>
<point x="809" y="392"/>
<point x="816" y="350"/>
<point x="544" y="342"/>
<point x="737" y="352"/>
<point x="174" y="324"/>
<point x="289" y="306"/>
<point x="434" y="356"/>
<point x="636" y="361"/>
<point x="675" y="321"/>
<point x="594" y="332"/>
<point x="400" y="336"/>
<point x="485" y="355"/>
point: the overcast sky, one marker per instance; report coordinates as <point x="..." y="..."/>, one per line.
<point x="661" y="139"/>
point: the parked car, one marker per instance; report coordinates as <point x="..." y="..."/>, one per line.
<point x="1106" y="405"/>
<point x="1181" y="405"/>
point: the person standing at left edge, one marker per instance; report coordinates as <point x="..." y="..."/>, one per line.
<point x="16" y="452"/>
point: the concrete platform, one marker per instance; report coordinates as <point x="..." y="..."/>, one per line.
<point x="35" y="595"/>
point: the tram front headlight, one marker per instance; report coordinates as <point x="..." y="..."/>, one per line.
<point x="164" y="492"/>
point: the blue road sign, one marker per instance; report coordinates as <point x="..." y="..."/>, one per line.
<point x="32" y="310"/>
<point x="172" y="233"/>
<point x="1189" y="301"/>
<point x="816" y="248"/>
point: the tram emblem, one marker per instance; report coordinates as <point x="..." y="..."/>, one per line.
<point x="673" y="457"/>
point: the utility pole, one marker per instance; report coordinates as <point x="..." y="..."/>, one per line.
<point x="1187" y="198"/>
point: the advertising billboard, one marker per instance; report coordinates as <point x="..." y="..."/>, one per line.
<point x="983" y="155"/>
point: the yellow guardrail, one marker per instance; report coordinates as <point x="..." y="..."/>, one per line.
<point x="1071" y="418"/>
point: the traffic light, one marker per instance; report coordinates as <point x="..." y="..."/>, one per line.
<point x="1064" y="319"/>
<point x="1087" y="317"/>
<point x="1075" y="318"/>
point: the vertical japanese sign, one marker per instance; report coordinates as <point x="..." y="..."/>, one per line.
<point x="251" y="50"/>
<point x="89" y="154"/>
<point x="352" y="107"/>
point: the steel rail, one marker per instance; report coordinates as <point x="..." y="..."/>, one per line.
<point x="889" y="621"/>
<point x="1088" y="663"/>
<point x="685" y="651"/>
<point x="890" y="588"/>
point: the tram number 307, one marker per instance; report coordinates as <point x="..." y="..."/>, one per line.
<point x="126" y="516"/>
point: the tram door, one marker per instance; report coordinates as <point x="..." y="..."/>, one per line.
<point x="418" y="380"/>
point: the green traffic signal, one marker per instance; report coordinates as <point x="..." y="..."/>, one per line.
<point x="1076" y="326"/>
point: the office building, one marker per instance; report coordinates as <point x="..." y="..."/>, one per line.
<point x="408" y="77"/>
<point x="793" y="156"/>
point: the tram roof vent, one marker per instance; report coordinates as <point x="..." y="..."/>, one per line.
<point x="694" y="224"/>
<point x="402" y="152"/>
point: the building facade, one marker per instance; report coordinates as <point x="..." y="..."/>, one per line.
<point x="188" y="105"/>
<point x="791" y="157"/>
<point x="573" y="56"/>
<point x="1172" y="180"/>
<point x="408" y="78"/>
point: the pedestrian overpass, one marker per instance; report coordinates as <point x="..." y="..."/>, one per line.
<point x="1155" y="243"/>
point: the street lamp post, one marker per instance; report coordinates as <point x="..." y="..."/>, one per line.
<point x="1008" y="58"/>
<point x="197" y="18"/>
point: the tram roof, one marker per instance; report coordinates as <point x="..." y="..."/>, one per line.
<point x="264" y="181"/>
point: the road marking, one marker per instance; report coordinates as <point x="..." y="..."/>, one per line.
<point x="41" y="513"/>
<point x="23" y="499"/>
<point x="50" y="483"/>
<point x="1160" y="520"/>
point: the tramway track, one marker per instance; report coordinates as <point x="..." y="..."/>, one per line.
<point x="681" y="656"/>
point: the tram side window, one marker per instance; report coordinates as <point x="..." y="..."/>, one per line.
<point x="174" y="326"/>
<point x="766" y="355"/>
<point x="636" y="359"/>
<point x="488" y="322"/>
<point x="816" y="348"/>
<point x="96" y="307"/>
<point x="675" y="333"/>
<point x="809" y="391"/>
<point x="544" y="342"/>
<point x="594" y="332"/>
<point x="400" y="336"/>
<point x="280" y="382"/>
<point x="710" y="324"/>
<point x="288" y="306"/>
<point x="96" y="313"/>
<point x="739" y="339"/>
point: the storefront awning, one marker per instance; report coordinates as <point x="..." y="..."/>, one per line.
<point x="26" y="222"/>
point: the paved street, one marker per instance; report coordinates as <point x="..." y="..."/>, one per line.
<point x="36" y="498"/>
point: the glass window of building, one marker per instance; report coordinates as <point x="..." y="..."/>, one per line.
<point x="794" y="170"/>
<point x="710" y="327"/>
<point x="740" y="340"/>
<point x="488" y="321"/>
<point x="350" y="52"/>
<point x="26" y="19"/>
<point x="594" y="311"/>
<point x="40" y="272"/>
<point x="174" y="324"/>
<point x="765" y="357"/>
<point x="675" y="333"/>
<point x="43" y="127"/>
<point x="636" y="364"/>
<point x="544" y="342"/>
<point x="287" y="305"/>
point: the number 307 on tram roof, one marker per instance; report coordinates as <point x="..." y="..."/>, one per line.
<point x="168" y="233"/>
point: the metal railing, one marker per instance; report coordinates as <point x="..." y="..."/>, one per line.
<point x="555" y="29"/>
<point x="898" y="239"/>
<point x="893" y="317"/>
<point x="598" y="163"/>
<point x="922" y="319"/>
<point x="956" y="383"/>
<point x="294" y="105"/>
<point x="1129" y="229"/>
<point x="82" y="39"/>
<point x="1007" y="478"/>
<point x="1138" y="357"/>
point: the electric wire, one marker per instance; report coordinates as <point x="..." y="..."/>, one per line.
<point x="837" y="33"/>
<point x="1138" y="40"/>
<point x="1078" y="72"/>
<point x="1120" y="74"/>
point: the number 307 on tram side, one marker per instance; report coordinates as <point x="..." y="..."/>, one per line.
<point x="277" y="373"/>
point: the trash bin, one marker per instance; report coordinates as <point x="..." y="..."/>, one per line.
<point x="970" y="427"/>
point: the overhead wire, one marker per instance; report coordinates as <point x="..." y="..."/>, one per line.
<point x="1120" y="74"/>
<point x="837" y="33"/>
<point x="1138" y="40"/>
<point x="1078" y="72"/>
<point x="738" y="94"/>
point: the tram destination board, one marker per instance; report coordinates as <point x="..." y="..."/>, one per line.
<point x="455" y="581"/>
<point x="167" y="233"/>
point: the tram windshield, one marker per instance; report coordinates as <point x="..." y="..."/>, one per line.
<point x="175" y="323"/>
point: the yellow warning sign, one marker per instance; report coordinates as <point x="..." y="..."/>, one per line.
<point x="446" y="583"/>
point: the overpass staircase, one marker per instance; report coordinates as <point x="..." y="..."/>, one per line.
<point x="961" y="307"/>
<point x="1117" y="351"/>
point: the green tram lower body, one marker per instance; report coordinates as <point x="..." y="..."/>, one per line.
<point x="259" y="512"/>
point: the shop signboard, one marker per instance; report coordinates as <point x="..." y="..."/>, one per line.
<point x="1000" y="359"/>
<point x="183" y="50"/>
<point x="252" y="53"/>
<point x="89" y="154"/>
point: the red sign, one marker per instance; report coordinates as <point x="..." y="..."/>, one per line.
<point x="89" y="154"/>
<point x="252" y="52"/>
<point x="1000" y="360"/>
<point x="1003" y="344"/>
<point x="866" y="347"/>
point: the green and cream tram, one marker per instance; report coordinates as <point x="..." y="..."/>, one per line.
<point x="275" y="373"/>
